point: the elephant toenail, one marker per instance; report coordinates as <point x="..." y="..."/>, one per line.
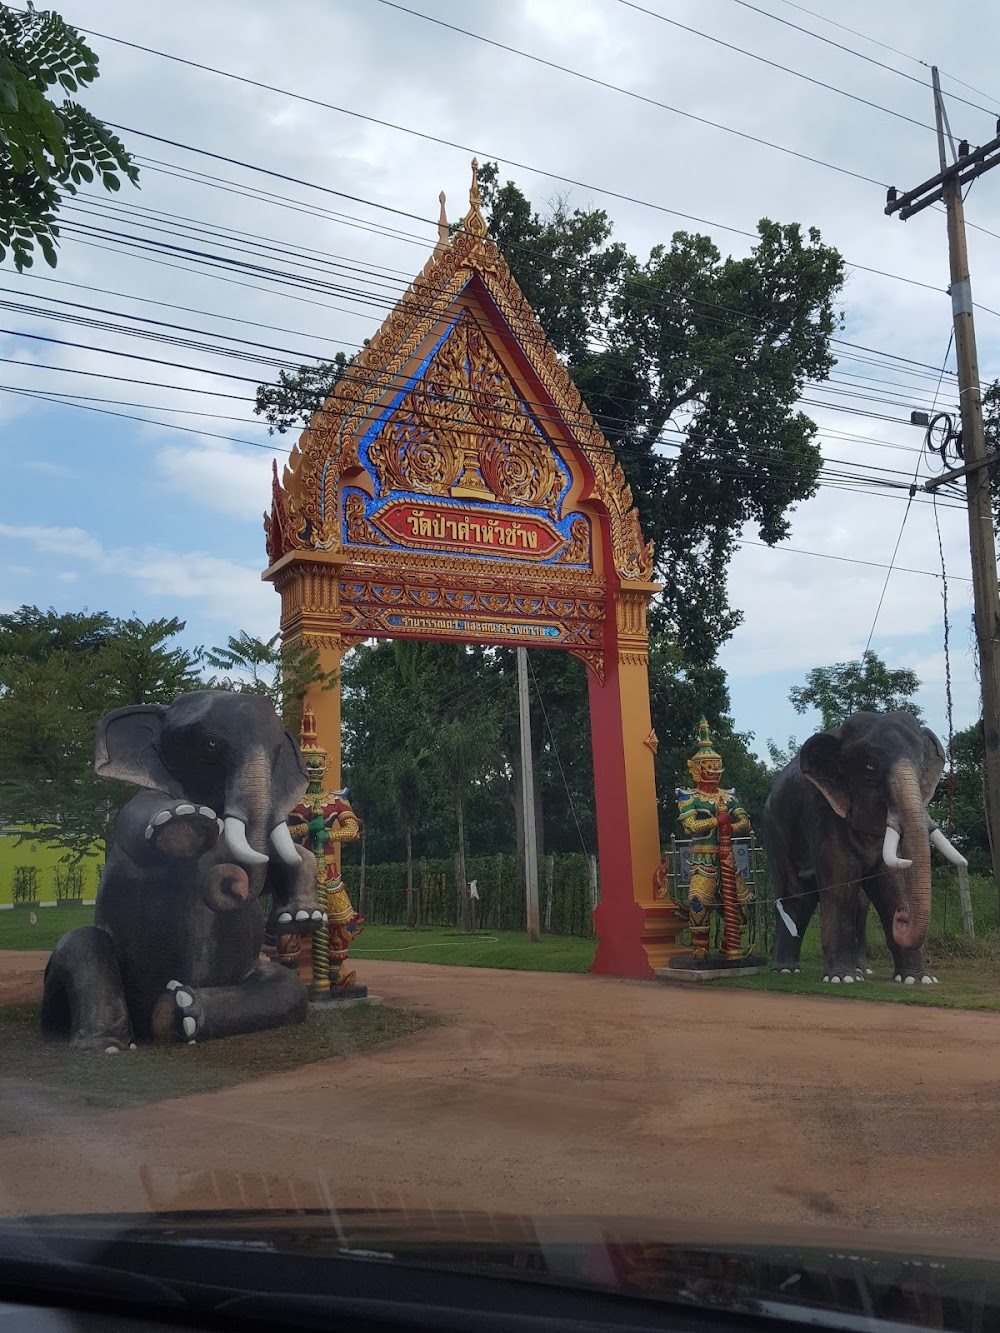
<point x="111" y="1050"/>
<point x="162" y="818"/>
<point x="190" y="1026"/>
<point x="173" y="985"/>
<point x="184" y="1000"/>
<point x="302" y="915"/>
<point x="283" y="917"/>
<point x="207" y="811"/>
<point x="317" y="915"/>
<point x="184" y="810"/>
<point x="910" y="981"/>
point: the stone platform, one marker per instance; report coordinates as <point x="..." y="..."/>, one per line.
<point x="689" y="969"/>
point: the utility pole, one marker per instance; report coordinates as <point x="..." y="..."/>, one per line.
<point x="528" y="799"/>
<point x="946" y="186"/>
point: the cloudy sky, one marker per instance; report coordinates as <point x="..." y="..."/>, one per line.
<point x="161" y="519"/>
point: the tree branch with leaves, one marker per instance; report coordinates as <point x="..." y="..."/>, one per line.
<point x="47" y="148"/>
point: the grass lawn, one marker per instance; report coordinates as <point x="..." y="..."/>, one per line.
<point x="156" y="1073"/>
<point x="44" y="857"/>
<point x="17" y="932"/>
<point x="432" y="944"/>
<point x="964" y="983"/>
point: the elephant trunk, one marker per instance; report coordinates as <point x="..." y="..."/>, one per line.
<point x="907" y="820"/>
<point x="248" y="818"/>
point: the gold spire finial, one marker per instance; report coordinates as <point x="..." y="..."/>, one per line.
<point x="442" y="240"/>
<point x="474" y="223"/>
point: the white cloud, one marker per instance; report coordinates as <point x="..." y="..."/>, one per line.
<point x="218" y="478"/>
<point x="222" y="589"/>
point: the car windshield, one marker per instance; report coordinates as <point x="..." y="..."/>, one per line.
<point x="561" y="844"/>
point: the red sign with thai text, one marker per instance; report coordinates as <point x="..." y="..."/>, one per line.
<point x="459" y="528"/>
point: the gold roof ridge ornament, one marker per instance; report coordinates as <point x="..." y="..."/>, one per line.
<point x="474" y="222"/>
<point x="444" y="233"/>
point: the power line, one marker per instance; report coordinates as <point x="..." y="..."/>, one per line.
<point x="875" y="41"/>
<point x="845" y="559"/>
<point x="371" y="298"/>
<point x="639" y="97"/>
<point x="281" y="201"/>
<point x="809" y="32"/>
<point x="786" y="69"/>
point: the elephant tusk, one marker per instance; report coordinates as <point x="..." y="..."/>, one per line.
<point x="284" y="845"/>
<point x="949" y="852"/>
<point x="236" y="841"/>
<point x="889" y="849"/>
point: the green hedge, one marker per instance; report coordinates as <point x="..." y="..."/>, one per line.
<point x="499" y="882"/>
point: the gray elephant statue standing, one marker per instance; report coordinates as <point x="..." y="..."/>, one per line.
<point x="178" y="926"/>
<point x="847" y="820"/>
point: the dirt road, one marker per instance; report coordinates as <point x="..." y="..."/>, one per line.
<point x="555" y="1093"/>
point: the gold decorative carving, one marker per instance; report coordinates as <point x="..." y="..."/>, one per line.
<point x="474" y="223"/>
<point x="326" y="450"/>
<point x="652" y="742"/>
<point x="358" y="528"/>
<point x="629" y="658"/>
<point x="578" y="550"/>
<point x="592" y="659"/>
<point x="442" y="241"/>
<point x="632" y="614"/>
<point x="452" y="433"/>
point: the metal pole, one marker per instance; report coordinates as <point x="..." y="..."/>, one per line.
<point x="965" y="899"/>
<point x="528" y="799"/>
<point x="977" y="482"/>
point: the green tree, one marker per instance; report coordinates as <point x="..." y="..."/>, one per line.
<point x="968" y="825"/>
<point x="299" y="394"/>
<point x="991" y="423"/>
<point x="59" y="674"/>
<point x="867" y="685"/>
<point x="48" y="148"/>
<point x="281" y="672"/>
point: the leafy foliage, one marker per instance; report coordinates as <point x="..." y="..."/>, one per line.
<point x="47" y="149"/>
<point x="59" y="674"/>
<point x="968" y="825"/>
<point x="283" y="673"/>
<point x="298" y="395"/>
<point x="991" y="423"/>
<point x="852" y="687"/>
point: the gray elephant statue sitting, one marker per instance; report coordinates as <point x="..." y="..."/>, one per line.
<point x="178" y="926"/>
<point x="847" y="821"/>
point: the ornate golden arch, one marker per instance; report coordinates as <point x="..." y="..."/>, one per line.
<point x="455" y="486"/>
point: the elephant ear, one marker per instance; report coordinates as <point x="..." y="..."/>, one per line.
<point x="933" y="765"/>
<point x="127" y="747"/>
<point x="819" y="761"/>
<point x="290" y="777"/>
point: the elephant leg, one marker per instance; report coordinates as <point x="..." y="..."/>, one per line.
<point x="798" y="905"/>
<point x="864" y="902"/>
<point x="839" y="932"/>
<point x="269" y="996"/>
<point x="84" y="1000"/>
<point x="294" y="897"/>
<point x="795" y="901"/>
<point x="887" y="893"/>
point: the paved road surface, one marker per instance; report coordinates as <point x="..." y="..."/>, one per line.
<point x="550" y="1093"/>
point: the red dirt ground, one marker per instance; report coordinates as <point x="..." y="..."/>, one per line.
<point x="545" y="1093"/>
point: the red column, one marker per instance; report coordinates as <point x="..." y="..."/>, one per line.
<point x="619" y="919"/>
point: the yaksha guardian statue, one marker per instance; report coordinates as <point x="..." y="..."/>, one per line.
<point x="712" y="817"/>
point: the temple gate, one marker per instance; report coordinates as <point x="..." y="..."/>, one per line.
<point x="454" y="486"/>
